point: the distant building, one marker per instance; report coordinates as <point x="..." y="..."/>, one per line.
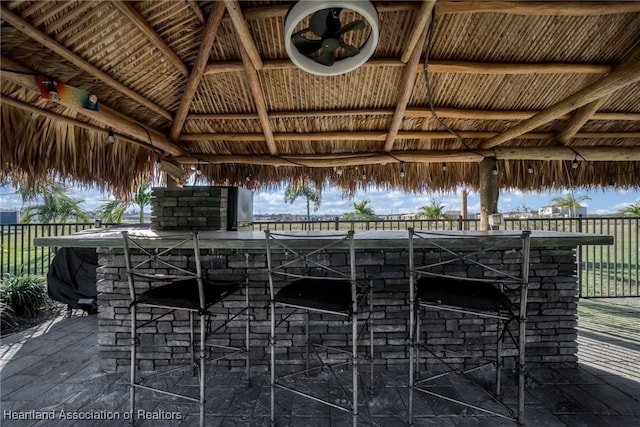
<point x="556" y="211"/>
<point x="452" y="214"/>
<point x="549" y="211"/>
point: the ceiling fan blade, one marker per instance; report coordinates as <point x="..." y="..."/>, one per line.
<point x="304" y="45"/>
<point x="318" y="22"/>
<point x="327" y="58"/>
<point x="325" y="21"/>
<point x="351" y="51"/>
<point x="351" y="26"/>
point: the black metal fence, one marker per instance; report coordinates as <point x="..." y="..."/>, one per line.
<point x="604" y="271"/>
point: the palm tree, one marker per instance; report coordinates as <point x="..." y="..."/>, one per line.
<point x="432" y="211"/>
<point x="310" y="193"/>
<point x="361" y="210"/>
<point x="114" y="210"/>
<point x="569" y="203"/>
<point x="633" y="209"/>
<point x="142" y="198"/>
<point x="56" y="204"/>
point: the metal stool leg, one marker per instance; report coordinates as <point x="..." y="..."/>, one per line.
<point x="371" y="355"/>
<point x="354" y="363"/>
<point x="202" y="376"/>
<point x="499" y="338"/>
<point x="133" y="371"/>
<point x="272" y="343"/>
<point x="248" y="319"/>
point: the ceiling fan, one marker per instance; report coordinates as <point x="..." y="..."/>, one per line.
<point x="320" y="48"/>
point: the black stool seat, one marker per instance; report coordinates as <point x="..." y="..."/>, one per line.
<point x="329" y="295"/>
<point x="184" y="293"/>
<point x="462" y="293"/>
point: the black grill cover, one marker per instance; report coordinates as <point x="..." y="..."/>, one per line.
<point x="72" y="276"/>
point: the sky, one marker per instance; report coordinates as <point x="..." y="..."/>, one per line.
<point x="384" y="202"/>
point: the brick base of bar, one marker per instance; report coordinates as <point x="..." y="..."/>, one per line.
<point x="551" y="324"/>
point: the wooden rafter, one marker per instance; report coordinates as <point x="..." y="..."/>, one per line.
<point x="196" y="9"/>
<point x="85" y="66"/>
<point x="382" y="136"/>
<point x="581" y="116"/>
<point x="250" y="67"/>
<point x="321" y="160"/>
<point x="584" y="113"/>
<point x="590" y="153"/>
<point x="132" y="14"/>
<point x="210" y="31"/>
<point x="439" y="66"/>
<point x="243" y="34"/>
<point x="416" y="112"/>
<point x="421" y="21"/>
<point x="619" y="78"/>
<point x="258" y="99"/>
<point x="343" y="160"/>
<point x="538" y="8"/>
<point x="280" y="10"/>
<point x="106" y="116"/>
<point x="408" y="80"/>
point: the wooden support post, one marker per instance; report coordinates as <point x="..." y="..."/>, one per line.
<point x="488" y="191"/>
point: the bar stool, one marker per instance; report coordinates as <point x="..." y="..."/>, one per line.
<point x="441" y="283"/>
<point x="161" y="280"/>
<point x="305" y="281"/>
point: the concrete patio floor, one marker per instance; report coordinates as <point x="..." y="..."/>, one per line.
<point x="53" y="370"/>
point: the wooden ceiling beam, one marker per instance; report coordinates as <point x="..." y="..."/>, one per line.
<point x="193" y="4"/>
<point x="619" y="78"/>
<point x="591" y="154"/>
<point x="421" y="22"/>
<point x="132" y="14"/>
<point x="438" y="66"/>
<point x="108" y="117"/>
<point x="539" y="8"/>
<point x="320" y="160"/>
<point x="415" y="112"/>
<point x="30" y="31"/>
<point x="280" y="10"/>
<point x="243" y="34"/>
<point x="584" y="113"/>
<point x="581" y="116"/>
<point x="464" y="114"/>
<point x="334" y="160"/>
<point x="406" y="86"/>
<point x="206" y="44"/>
<point x="382" y="136"/>
<point x="258" y="99"/>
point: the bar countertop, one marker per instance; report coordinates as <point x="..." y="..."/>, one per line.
<point x="214" y="239"/>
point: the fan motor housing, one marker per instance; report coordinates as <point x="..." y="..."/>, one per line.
<point x="304" y="8"/>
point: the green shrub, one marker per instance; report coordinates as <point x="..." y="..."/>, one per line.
<point x="23" y="295"/>
<point x="8" y="318"/>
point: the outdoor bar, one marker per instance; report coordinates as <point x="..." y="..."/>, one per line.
<point x="382" y="255"/>
<point x="209" y="101"/>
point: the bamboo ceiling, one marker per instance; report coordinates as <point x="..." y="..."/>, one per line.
<point x="190" y="84"/>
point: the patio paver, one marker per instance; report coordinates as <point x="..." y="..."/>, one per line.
<point x="54" y="369"/>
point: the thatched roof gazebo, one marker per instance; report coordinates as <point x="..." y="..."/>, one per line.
<point x="544" y="93"/>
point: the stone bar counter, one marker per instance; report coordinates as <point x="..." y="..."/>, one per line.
<point x="381" y="255"/>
